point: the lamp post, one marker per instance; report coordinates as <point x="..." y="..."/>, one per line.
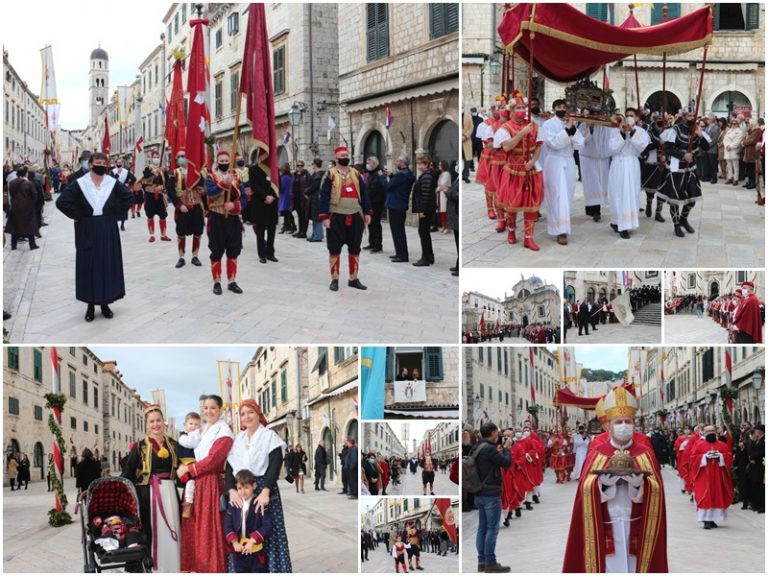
<point x="294" y="118"/>
<point x="494" y="66"/>
<point x="757" y="383"/>
<point x="289" y="427"/>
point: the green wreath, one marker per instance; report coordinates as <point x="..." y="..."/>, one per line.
<point x="57" y="518"/>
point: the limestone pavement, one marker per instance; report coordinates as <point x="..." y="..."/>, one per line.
<point x="690" y="329"/>
<point x="410" y="485"/>
<point x="730" y="233"/>
<point x="320" y="535"/>
<point x="285" y="302"/>
<point x="379" y="561"/>
<point x="617" y="334"/>
<point x="535" y="542"/>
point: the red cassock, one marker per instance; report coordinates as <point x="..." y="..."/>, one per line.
<point x="680" y="455"/>
<point x="712" y="483"/>
<point x="689" y="466"/>
<point x="511" y="495"/>
<point x="524" y="479"/>
<point x="203" y="546"/>
<point x="590" y="537"/>
<point x="538" y="452"/>
<point x="518" y="190"/>
<point x="748" y="319"/>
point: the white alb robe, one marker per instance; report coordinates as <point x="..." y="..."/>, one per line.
<point x="559" y="173"/>
<point x="595" y="159"/>
<point x="580" y="448"/>
<point x="624" y="181"/>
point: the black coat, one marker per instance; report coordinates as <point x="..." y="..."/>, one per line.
<point x="313" y="193"/>
<point x="321" y="458"/>
<point x="424" y="199"/>
<point x="257" y="210"/>
<point x="88" y="470"/>
<point x="583" y="313"/>
<point x="376" y="188"/>
<point x="22" y="219"/>
<point x="452" y="219"/>
<point x="756" y="469"/>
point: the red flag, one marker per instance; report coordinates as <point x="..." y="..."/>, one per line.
<point x="256" y="84"/>
<point x="482" y="323"/>
<point x="175" y="128"/>
<point x="105" y="145"/>
<point x="728" y="378"/>
<point x="661" y="386"/>
<point x="199" y="117"/>
<point x="449" y="518"/>
<point x="533" y="391"/>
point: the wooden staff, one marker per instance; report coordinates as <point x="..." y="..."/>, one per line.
<point x="637" y="84"/>
<point x="235" y="136"/>
<point x="698" y="101"/>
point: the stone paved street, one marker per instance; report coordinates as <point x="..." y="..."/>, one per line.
<point x="379" y="561"/>
<point x="617" y="334"/>
<point x="535" y="542"/>
<point x="410" y="485"/>
<point x="287" y="302"/>
<point x="321" y="527"/>
<point x="730" y="233"/>
<point x="689" y="329"/>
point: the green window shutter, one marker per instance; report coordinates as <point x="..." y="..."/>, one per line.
<point x="338" y="354"/>
<point x="13" y="357"/>
<point x="480" y="354"/>
<point x="371" y="32"/>
<point x="38" y="355"/>
<point x="716" y="25"/>
<point x="284" y="386"/>
<point x="753" y="16"/>
<point x="436" y="21"/>
<point x="274" y="393"/>
<point x="389" y="370"/>
<point x="382" y="31"/>
<point x="434" y="364"/>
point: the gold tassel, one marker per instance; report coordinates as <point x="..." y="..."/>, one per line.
<point x="163" y="453"/>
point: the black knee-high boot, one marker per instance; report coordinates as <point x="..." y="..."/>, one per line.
<point x="684" y="217"/>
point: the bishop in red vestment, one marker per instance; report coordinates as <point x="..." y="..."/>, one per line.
<point x="748" y="319"/>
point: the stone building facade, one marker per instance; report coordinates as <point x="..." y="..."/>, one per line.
<point x="693" y="377"/>
<point x="595" y="285"/>
<point x="24" y="132"/>
<point x="439" y="368"/>
<point x="734" y="78"/>
<point x="712" y="283"/>
<point x="475" y="306"/>
<point x="497" y="385"/>
<point x="532" y="301"/>
<point x="379" y="437"/>
<point x="388" y="513"/>
<point x="102" y="413"/>
<point x="152" y="101"/>
<point x="404" y="57"/>
<point x="443" y="440"/>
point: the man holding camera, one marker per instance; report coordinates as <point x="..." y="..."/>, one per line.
<point x="493" y="455"/>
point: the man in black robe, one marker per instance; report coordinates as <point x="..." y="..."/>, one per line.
<point x="95" y="202"/>
<point x="261" y="212"/>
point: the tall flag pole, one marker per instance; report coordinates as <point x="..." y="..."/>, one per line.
<point x="199" y="121"/>
<point x="175" y="127"/>
<point x="49" y="100"/>
<point x="256" y="84"/>
<point x="728" y="378"/>
<point x="533" y="391"/>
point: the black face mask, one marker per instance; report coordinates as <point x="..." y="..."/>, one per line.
<point x="223" y="167"/>
<point x="535" y="109"/>
<point x="711" y="437"/>
<point x="99" y="170"/>
<point x="344" y="161"/>
<point x="560" y="113"/>
<point x="240" y="163"/>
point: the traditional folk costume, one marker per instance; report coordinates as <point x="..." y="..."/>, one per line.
<point x="498" y="160"/>
<point x="152" y="468"/>
<point x="559" y="174"/>
<point x="262" y="454"/>
<point x="712" y="484"/>
<point x="413" y="537"/>
<point x="127" y="179"/>
<point x="242" y="525"/>
<point x="624" y="178"/>
<point x="557" y="457"/>
<point x="156" y="204"/>
<point x="682" y="187"/>
<point x="99" y="258"/>
<point x="204" y="547"/>
<point x="570" y="457"/>
<point x="485" y="132"/>
<point x="653" y="171"/>
<point x="595" y="159"/>
<point x="191" y="222"/>
<point x="139" y="188"/>
<point x="519" y="190"/>
<point x="398" y="553"/>
<point x="619" y="517"/>
<point x="344" y="201"/>
<point x="225" y="231"/>
<point x="187" y="457"/>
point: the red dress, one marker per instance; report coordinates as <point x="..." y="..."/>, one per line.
<point x="518" y="190"/>
<point x="484" y="164"/>
<point x="203" y="546"/>
<point x="712" y="483"/>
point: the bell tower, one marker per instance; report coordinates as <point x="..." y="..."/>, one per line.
<point x="98" y="82"/>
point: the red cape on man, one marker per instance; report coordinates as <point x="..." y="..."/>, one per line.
<point x="590" y="538"/>
<point x="748" y="318"/>
<point x="538" y="452"/>
<point x="511" y="495"/>
<point x="524" y="478"/>
<point x="712" y="483"/>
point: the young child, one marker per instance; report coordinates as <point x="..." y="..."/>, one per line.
<point x="398" y="553"/>
<point x="245" y="529"/>
<point x="192" y="422"/>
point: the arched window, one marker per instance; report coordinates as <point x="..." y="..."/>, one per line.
<point x="655" y="100"/>
<point x="444" y="142"/>
<point x="374" y="145"/>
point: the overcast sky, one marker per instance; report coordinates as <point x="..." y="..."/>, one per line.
<point x="601" y="357"/>
<point x="495" y="282"/>
<point x="128" y="32"/>
<point x="184" y="372"/>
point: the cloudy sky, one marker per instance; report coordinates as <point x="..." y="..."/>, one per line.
<point x="602" y="357"/>
<point x="184" y="372"/>
<point x="495" y="282"/>
<point x="128" y="32"/>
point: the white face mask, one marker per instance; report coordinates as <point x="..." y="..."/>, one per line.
<point x="526" y="434"/>
<point x="631" y="120"/>
<point x="744" y="292"/>
<point x="518" y="435"/>
<point x="623" y="432"/>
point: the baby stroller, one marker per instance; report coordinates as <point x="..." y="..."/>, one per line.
<point x="111" y="528"/>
